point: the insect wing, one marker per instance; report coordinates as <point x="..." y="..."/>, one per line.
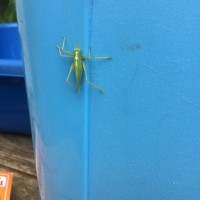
<point x="78" y="70"/>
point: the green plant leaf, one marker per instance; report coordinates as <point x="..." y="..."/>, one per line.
<point x="2" y="20"/>
<point x="11" y="2"/>
<point x="9" y="14"/>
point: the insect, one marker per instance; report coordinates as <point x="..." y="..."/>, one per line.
<point x="78" y="65"/>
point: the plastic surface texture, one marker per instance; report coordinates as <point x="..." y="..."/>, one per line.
<point x="140" y="139"/>
<point x="14" y="115"/>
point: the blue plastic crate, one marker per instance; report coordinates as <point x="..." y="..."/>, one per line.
<point x="140" y="140"/>
<point x="14" y="115"/>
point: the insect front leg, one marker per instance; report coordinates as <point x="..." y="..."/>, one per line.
<point x="87" y="80"/>
<point x="64" y="40"/>
<point x="61" y="53"/>
<point x="67" y="79"/>
<point x="63" y="46"/>
<point x="62" y="50"/>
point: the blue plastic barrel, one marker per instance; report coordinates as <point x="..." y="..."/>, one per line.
<point x="14" y="115"/>
<point x="140" y="139"/>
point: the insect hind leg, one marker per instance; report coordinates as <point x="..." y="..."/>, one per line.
<point x="89" y="82"/>
<point x="68" y="76"/>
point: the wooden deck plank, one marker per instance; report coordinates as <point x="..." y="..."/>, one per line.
<point x="17" y="156"/>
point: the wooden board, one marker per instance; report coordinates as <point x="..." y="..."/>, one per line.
<point x="16" y="155"/>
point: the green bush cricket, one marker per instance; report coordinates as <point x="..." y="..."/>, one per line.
<point x="78" y="65"/>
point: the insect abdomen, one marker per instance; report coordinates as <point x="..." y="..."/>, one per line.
<point x="78" y="68"/>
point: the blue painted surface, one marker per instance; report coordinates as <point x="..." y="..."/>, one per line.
<point x="58" y="114"/>
<point x="139" y="140"/>
<point x="14" y="115"/>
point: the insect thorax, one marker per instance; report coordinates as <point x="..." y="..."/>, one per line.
<point x="77" y="54"/>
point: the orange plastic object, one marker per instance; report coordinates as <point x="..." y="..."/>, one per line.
<point x="5" y="185"/>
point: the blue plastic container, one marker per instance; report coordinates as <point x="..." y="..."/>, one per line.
<point x="140" y="139"/>
<point x="14" y="115"/>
